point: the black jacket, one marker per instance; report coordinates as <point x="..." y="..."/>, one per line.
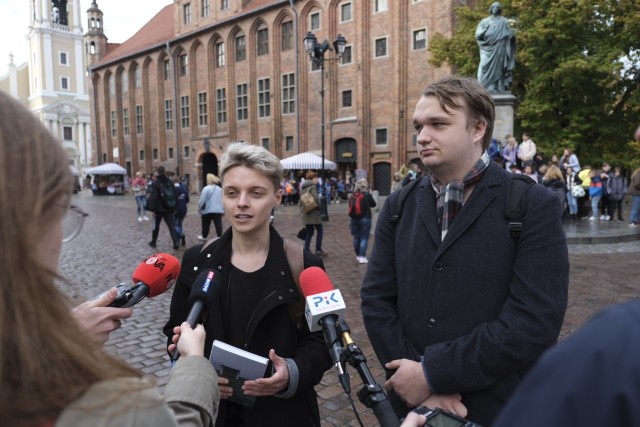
<point x="271" y="327"/>
<point x="153" y="201"/>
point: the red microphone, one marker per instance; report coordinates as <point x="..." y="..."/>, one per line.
<point x="152" y="277"/>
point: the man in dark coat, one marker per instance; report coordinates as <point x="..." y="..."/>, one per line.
<point x="454" y="306"/>
<point x="161" y="186"/>
<point x="590" y="379"/>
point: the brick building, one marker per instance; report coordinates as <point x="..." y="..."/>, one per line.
<point x="202" y="73"/>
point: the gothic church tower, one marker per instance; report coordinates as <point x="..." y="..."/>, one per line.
<point x="95" y="42"/>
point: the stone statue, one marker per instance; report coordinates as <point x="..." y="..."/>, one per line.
<point x="497" y="45"/>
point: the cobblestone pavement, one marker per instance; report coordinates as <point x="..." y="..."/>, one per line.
<point x="113" y="242"/>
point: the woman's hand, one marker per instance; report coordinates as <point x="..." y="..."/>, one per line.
<point x="272" y="385"/>
<point x="97" y="319"/>
<point x="190" y="342"/>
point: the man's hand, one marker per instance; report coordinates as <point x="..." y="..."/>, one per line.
<point x="447" y="402"/>
<point x="97" y="319"/>
<point x="408" y="382"/>
<point x="272" y="385"/>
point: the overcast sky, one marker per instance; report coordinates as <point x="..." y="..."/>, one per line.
<point x="122" y="18"/>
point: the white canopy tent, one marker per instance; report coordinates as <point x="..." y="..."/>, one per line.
<point x="106" y="169"/>
<point x="307" y="161"/>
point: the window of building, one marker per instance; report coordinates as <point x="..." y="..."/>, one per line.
<point x="112" y="86"/>
<point x="380" y="6"/>
<point x="64" y="83"/>
<point x="141" y="155"/>
<point x="420" y="39"/>
<point x="155" y="154"/>
<point x="288" y="93"/>
<point x="221" y="105"/>
<point x="288" y="143"/>
<point x="220" y="54"/>
<point x="347" y="98"/>
<point x="170" y="152"/>
<point x="287" y="36"/>
<point x="186" y="12"/>
<point x="203" y="114"/>
<point x="184" y="65"/>
<point x="205" y="8"/>
<point x="124" y="83"/>
<point x="314" y="21"/>
<point x="345" y="12"/>
<point x="263" y="41"/>
<point x="346" y="56"/>
<point x="185" y="121"/>
<point x="264" y="98"/>
<point x="64" y="58"/>
<point x="185" y="151"/>
<point x="224" y="4"/>
<point x="242" y="102"/>
<point x="166" y="69"/>
<point x="139" y="128"/>
<point x="137" y="73"/>
<point x="381" y="136"/>
<point x="168" y="114"/>
<point x="114" y="129"/>
<point x="265" y="143"/>
<point x="241" y="48"/>
<point x="381" y="47"/>
<point x="126" y="128"/>
<point x="67" y="133"/>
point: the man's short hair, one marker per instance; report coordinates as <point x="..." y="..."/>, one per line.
<point x="477" y="101"/>
<point x="160" y="170"/>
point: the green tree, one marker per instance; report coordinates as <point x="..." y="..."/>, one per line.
<point x="577" y="74"/>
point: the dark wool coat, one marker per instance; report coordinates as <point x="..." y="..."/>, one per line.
<point x="480" y="306"/>
<point x="271" y="327"/>
<point x="590" y="379"/>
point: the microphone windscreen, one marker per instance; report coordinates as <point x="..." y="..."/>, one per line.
<point x="206" y="287"/>
<point x="159" y="272"/>
<point x="314" y="280"/>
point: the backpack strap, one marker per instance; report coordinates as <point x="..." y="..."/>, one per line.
<point x="295" y="258"/>
<point x="515" y="207"/>
<point x="396" y="213"/>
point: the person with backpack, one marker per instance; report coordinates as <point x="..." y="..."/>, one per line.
<point x="260" y="307"/>
<point x="453" y="303"/>
<point x="360" y="204"/>
<point x="163" y="202"/>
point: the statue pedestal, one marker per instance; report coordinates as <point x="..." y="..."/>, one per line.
<point x="503" y="125"/>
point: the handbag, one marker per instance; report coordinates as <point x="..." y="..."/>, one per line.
<point x="302" y="233"/>
<point x="577" y="191"/>
<point x="308" y="202"/>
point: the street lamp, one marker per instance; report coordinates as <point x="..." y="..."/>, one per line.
<point x="316" y="52"/>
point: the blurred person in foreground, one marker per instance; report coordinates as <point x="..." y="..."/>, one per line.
<point x="453" y="304"/>
<point x="53" y="370"/>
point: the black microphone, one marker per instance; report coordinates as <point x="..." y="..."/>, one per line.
<point x="204" y="291"/>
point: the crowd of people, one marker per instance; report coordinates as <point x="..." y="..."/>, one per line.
<point x="586" y="193"/>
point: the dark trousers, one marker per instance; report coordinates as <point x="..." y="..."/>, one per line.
<point x="168" y="219"/>
<point x="307" y="239"/>
<point x="206" y="223"/>
<point x="613" y="205"/>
